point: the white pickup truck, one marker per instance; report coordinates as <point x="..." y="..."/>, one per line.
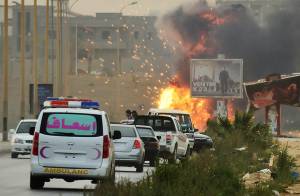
<point x="173" y="142"/>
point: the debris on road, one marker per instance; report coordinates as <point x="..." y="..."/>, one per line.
<point x="251" y="180"/>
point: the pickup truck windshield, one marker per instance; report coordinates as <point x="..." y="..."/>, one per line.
<point x="184" y="120"/>
<point x="158" y="123"/>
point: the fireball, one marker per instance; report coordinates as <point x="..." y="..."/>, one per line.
<point x="200" y="109"/>
<point x="177" y="94"/>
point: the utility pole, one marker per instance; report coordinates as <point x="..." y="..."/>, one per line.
<point x="35" y="60"/>
<point x="22" y="60"/>
<point x="46" y="69"/>
<point x="5" y="72"/>
<point x="58" y="49"/>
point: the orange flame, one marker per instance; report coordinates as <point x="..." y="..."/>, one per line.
<point x="179" y="98"/>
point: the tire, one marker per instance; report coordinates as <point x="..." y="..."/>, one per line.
<point x="173" y="157"/>
<point x="36" y="182"/>
<point x="14" y="155"/>
<point x="140" y="167"/>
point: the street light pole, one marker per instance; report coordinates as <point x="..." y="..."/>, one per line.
<point x="46" y="74"/>
<point x="22" y="60"/>
<point x="58" y="49"/>
<point x="35" y="59"/>
<point x="5" y="72"/>
<point x="76" y="50"/>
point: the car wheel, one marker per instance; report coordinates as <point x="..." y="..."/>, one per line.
<point x="140" y="167"/>
<point x="36" y="182"/>
<point x="173" y="157"/>
<point x="14" y="155"/>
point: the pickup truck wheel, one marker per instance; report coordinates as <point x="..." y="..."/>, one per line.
<point x="36" y="182"/>
<point x="14" y="155"/>
<point x="173" y="156"/>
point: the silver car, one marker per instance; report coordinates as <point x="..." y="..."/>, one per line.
<point x="129" y="150"/>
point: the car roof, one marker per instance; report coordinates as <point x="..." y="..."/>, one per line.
<point x="156" y="116"/>
<point x="122" y="125"/>
<point x="28" y="120"/>
<point x="74" y="110"/>
<point x="167" y="111"/>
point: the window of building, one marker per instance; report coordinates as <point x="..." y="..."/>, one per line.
<point x="105" y="35"/>
<point x="136" y="34"/>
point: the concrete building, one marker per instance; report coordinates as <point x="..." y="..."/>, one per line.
<point x="112" y="43"/>
<point x="105" y="51"/>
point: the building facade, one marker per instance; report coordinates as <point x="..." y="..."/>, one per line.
<point x="103" y="46"/>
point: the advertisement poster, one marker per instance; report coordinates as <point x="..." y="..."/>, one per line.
<point x="219" y="78"/>
<point x="281" y="91"/>
<point x="44" y="91"/>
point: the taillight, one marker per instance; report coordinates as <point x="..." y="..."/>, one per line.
<point x="137" y="144"/>
<point x="106" y="145"/>
<point x="35" y="144"/>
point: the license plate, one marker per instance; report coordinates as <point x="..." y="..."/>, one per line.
<point x="66" y="171"/>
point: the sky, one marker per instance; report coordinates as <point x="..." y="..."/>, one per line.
<point x="143" y="7"/>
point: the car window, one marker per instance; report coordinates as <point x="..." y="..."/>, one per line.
<point x="182" y="119"/>
<point x="24" y="127"/>
<point x="158" y="123"/>
<point x="125" y="131"/>
<point x="145" y="132"/>
<point x="72" y="124"/>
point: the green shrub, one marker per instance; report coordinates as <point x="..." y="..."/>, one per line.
<point x="240" y="146"/>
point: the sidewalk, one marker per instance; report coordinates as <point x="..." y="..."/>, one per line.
<point x="4" y="146"/>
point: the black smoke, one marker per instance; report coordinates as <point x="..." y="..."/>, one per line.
<point x="271" y="45"/>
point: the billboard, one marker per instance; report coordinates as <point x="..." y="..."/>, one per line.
<point x="44" y="91"/>
<point x="219" y="78"/>
<point x="282" y="91"/>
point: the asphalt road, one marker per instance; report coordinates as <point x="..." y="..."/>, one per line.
<point x="14" y="179"/>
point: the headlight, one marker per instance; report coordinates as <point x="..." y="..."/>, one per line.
<point x="19" y="141"/>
